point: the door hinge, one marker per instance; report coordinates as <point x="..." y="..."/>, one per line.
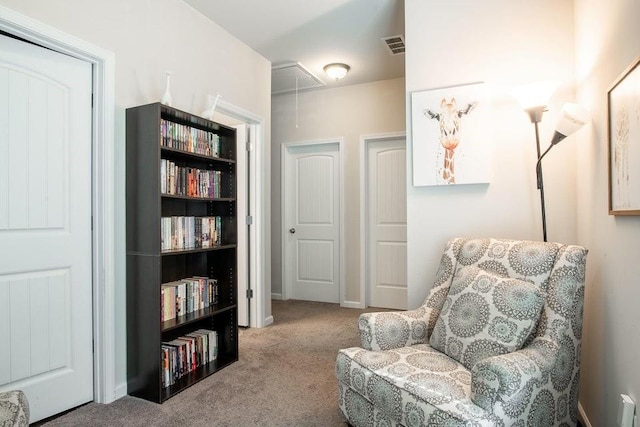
<point x="249" y="219"/>
<point x="249" y="146"/>
<point x="249" y="293"/>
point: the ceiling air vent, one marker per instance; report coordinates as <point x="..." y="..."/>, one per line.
<point x="395" y="44"/>
<point x="292" y="76"/>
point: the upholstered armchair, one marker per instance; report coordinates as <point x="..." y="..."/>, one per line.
<point x="14" y="409"/>
<point x="496" y="343"/>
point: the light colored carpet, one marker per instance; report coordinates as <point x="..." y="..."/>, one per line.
<point x="285" y="377"/>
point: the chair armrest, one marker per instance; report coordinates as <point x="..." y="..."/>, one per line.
<point x="389" y="330"/>
<point x="16" y="409"/>
<point x="505" y="377"/>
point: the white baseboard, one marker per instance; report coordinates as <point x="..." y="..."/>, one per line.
<point x="352" y="304"/>
<point x="268" y="321"/>
<point x="121" y="390"/>
<point x="583" y="417"/>
<point x="276" y="296"/>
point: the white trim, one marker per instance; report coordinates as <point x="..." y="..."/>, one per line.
<point x="244" y="232"/>
<point x="364" y="141"/>
<point x="239" y="113"/>
<point x="343" y="237"/>
<point x="268" y="321"/>
<point x="103" y="178"/>
<point x="583" y="416"/>
<point x="352" y="304"/>
<point x="259" y="185"/>
<point x="275" y="296"/>
<point x="339" y="141"/>
<point x="363" y="221"/>
<point x="121" y="390"/>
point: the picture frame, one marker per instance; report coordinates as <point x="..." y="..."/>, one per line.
<point x="623" y="133"/>
<point x="450" y="135"/>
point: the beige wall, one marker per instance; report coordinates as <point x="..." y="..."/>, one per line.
<point x="147" y="38"/>
<point x="607" y="34"/>
<point x="503" y="43"/>
<point x="348" y="112"/>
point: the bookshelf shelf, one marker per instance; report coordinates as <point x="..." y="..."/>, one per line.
<point x="181" y="154"/>
<point x="157" y="277"/>
<point x="197" y="250"/>
<point x="196" y="316"/>
<point x="205" y="199"/>
<point x="196" y="376"/>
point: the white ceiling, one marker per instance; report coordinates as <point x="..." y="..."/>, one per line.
<point x="316" y="33"/>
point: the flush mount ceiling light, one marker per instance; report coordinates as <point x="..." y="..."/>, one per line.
<point x="336" y="70"/>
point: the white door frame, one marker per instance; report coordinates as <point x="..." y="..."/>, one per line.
<point x="102" y="197"/>
<point x="258" y="239"/>
<point x="244" y="231"/>
<point x="284" y="161"/>
<point x="365" y="140"/>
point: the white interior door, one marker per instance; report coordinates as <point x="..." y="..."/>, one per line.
<point x="45" y="227"/>
<point x="386" y="217"/>
<point x="312" y="222"/>
<point x="242" y="211"/>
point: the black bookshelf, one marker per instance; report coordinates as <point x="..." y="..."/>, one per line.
<point x="148" y="266"/>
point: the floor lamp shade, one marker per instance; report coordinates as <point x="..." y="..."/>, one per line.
<point x="535" y="96"/>
<point x="572" y="118"/>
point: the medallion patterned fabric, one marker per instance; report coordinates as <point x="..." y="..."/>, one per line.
<point x="485" y="315"/>
<point x="14" y="409"/>
<point x="398" y="379"/>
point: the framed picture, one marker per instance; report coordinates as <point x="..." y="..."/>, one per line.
<point x="623" y="105"/>
<point x="449" y="134"/>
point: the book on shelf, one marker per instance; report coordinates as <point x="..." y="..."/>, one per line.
<point x="186" y="296"/>
<point x="163" y="177"/>
<point x="202" y="352"/>
<point x="167" y="379"/>
<point x="177" y="358"/>
<point x="189" y="139"/>
<point x="190" y="232"/>
<point x="179" y="180"/>
<point x="187" y="353"/>
<point x="212" y="342"/>
<point x="191" y="358"/>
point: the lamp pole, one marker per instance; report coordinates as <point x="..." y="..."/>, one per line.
<point x="535" y="114"/>
<point x="541" y="184"/>
<point x="573" y="118"/>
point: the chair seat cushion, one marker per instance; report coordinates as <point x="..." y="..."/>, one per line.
<point x="415" y="385"/>
<point x="486" y="315"/>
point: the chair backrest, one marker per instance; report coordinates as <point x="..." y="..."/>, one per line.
<point x="557" y="269"/>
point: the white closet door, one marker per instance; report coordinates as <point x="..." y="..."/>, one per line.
<point x="387" y="223"/>
<point x="45" y="227"/>
<point x="312" y="232"/>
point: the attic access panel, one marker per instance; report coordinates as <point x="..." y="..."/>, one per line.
<point x="293" y="76"/>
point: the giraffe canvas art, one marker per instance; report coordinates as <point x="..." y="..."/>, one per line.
<point x="449" y="135"/>
<point x="449" y="117"/>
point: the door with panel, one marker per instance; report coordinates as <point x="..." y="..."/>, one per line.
<point x="386" y="223"/>
<point x="311" y="234"/>
<point x="45" y="227"/>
